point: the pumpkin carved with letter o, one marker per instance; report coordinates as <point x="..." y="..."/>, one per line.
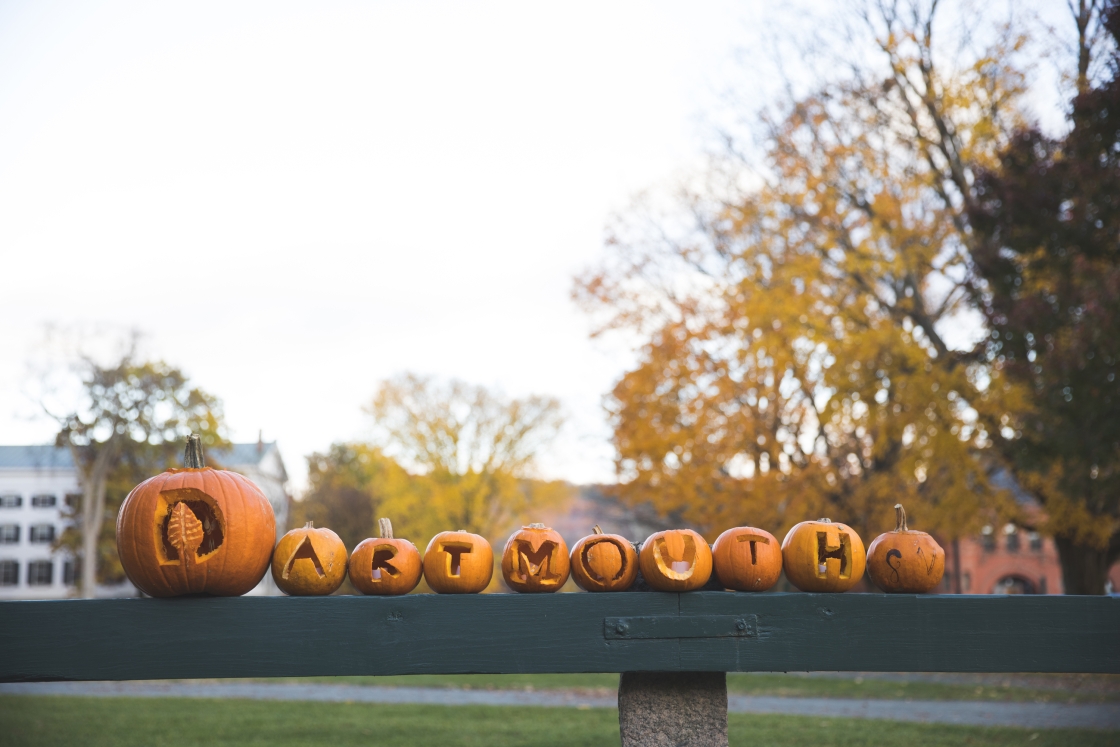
<point x="535" y="559"/>
<point x="604" y="562"/>
<point x="458" y="563"/>
<point x="195" y="530"/>
<point x="905" y="560"/>
<point x="385" y="566"/>
<point x="823" y="555"/>
<point x="309" y="562"/>
<point x="675" y="560"/>
<point x="747" y="559"/>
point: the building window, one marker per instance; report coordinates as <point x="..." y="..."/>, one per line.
<point x="1013" y="585"/>
<point x="987" y="539"/>
<point x="10" y="501"/>
<point x="966" y="583"/>
<point x="9" y="572"/>
<point x="1035" y="541"/>
<point x="9" y="534"/>
<point x="74" y="501"/>
<point x="70" y="571"/>
<point x="40" y="573"/>
<point x="42" y="501"/>
<point x="43" y="533"/>
<point x="1012" y="538"/>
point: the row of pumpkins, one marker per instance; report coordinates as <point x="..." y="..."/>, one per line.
<point x="200" y="530"/>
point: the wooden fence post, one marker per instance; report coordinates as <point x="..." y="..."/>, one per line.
<point x="673" y="709"/>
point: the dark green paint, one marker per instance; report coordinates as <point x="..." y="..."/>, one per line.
<point x="510" y="633"/>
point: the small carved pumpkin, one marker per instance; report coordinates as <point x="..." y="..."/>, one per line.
<point x="535" y="559"/>
<point x="675" y="560"/>
<point x="823" y="556"/>
<point x="458" y="563"/>
<point x="309" y="562"/>
<point x="905" y="560"/>
<point x="195" y="531"/>
<point x="604" y="562"/>
<point x="747" y="559"/>
<point x="385" y="566"/>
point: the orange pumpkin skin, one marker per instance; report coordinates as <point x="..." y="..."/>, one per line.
<point x="230" y="532"/>
<point x="905" y="561"/>
<point x="458" y="563"/>
<point x="604" y="562"/>
<point x="309" y="562"/>
<point x="385" y="566"/>
<point x="747" y="559"/>
<point x="535" y="560"/>
<point x="823" y="556"/>
<point x="675" y="560"/>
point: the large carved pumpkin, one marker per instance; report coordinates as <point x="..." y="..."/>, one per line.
<point x="747" y="559"/>
<point x="675" y="560"/>
<point x="309" y="562"/>
<point x="385" y="566"/>
<point x="458" y="563"/>
<point x="604" y="562"/>
<point x="195" y="531"/>
<point x="823" y="556"/>
<point x="905" y="560"/>
<point x="535" y="559"/>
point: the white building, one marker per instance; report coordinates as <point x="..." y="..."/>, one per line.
<point x="38" y="483"/>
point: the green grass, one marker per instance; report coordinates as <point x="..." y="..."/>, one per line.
<point x="166" y="722"/>
<point x="785" y="685"/>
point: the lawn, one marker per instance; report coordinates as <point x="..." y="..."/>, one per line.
<point x="787" y="685"/>
<point x="166" y="722"/>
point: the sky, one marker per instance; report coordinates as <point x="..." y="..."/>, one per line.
<point x="293" y="201"/>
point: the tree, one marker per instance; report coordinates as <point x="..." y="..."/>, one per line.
<point x="799" y="358"/>
<point x="475" y="447"/>
<point x="1049" y="221"/>
<point x="132" y="422"/>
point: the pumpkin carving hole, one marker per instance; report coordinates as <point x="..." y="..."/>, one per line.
<point x="381" y="558"/>
<point x="841" y="552"/>
<point x="211" y="529"/>
<point x="608" y="557"/>
<point x="535" y="562"/>
<point x="676" y="568"/>
<point x="304" y="552"/>
<point x="455" y="552"/>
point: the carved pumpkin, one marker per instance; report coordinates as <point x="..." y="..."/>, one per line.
<point x="823" y="556"/>
<point x="747" y="559"/>
<point x="905" y="560"/>
<point x="535" y="559"/>
<point x="458" y="563"/>
<point x="675" y="560"/>
<point x="309" y="562"/>
<point x="385" y="566"/>
<point x="604" y="562"/>
<point x="195" y="531"/>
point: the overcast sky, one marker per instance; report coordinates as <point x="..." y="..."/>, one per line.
<point x="295" y="200"/>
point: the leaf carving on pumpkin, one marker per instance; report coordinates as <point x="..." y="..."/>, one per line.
<point x="184" y="531"/>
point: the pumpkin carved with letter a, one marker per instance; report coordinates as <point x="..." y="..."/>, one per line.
<point x="604" y="562"/>
<point x="823" y="556"/>
<point x="905" y="560"/>
<point x="747" y="559"/>
<point x="309" y="562"/>
<point x="195" y="530"/>
<point x="458" y="563"/>
<point x="385" y="566"/>
<point x="535" y="560"/>
<point x="675" y="560"/>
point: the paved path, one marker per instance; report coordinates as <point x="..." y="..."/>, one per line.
<point x="1026" y="715"/>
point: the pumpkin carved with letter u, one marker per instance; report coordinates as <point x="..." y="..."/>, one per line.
<point x="675" y="560"/>
<point x="195" y="530"/>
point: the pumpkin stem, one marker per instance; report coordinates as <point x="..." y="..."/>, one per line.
<point x="596" y="529"/>
<point x="824" y="521"/>
<point x="536" y="526"/>
<point x="193" y="458"/>
<point x="900" y="518"/>
<point x="309" y="525"/>
<point x="386" y="528"/>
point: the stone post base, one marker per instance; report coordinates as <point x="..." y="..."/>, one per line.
<point x="673" y="709"/>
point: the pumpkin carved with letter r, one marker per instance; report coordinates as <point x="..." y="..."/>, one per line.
<point x="385" y="566"/>
<point x="535" y="560"/>
<point x="458" y="563"/>
<point x="747" y="559"/>
<point x="823" y="555"/>
<point x="675" y="560"/>
<point x="196" y="530"/>
<point x="604" y="562"/>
